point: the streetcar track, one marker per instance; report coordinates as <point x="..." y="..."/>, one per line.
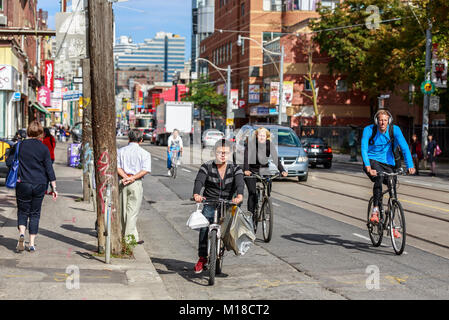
<point x="358" y="219"/>
<point x="399" y="193"/>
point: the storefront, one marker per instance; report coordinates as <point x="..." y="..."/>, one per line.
<point x="39" y="112"/>
<point x="10" y="101"/>
<point x="263" y="114"/>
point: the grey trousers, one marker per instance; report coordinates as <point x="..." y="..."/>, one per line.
<point x="130" y="201"/>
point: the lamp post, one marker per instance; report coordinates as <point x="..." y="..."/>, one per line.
<point x="280" y="70"/>
<point x="228" y="91"/>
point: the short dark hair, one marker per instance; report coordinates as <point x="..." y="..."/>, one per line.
<point x="135" y="135"/>
<point x="223" y="143"/>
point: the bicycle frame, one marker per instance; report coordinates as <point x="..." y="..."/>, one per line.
<point x="266" y="188"/>
<point x="392" y="192"/>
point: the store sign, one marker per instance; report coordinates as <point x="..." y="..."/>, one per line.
<point x="72" y="95"/>
<point x="8" y="78"/>
<point x="49" y="74"/>
<point x="44" y="96"/>
<point x="274" y="93"/>
<point x="254" y="93"/>
<point x="17" y="96"/>
<point x="56" y="104"/>
<point x="234" y="98"/>
<point x="434" y="104"/>
<point x="287" y="95"/>
<point x="439" y="73"/>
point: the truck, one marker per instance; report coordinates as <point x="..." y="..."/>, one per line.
<point x="172" y="115"/>
<point x="142" y="121"/>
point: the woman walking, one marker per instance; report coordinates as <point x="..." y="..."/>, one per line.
<point x="431" y="154"/>
<point x="416" y="151"/>
<point x="34" y="173"/>
<point x="50" y="142"/>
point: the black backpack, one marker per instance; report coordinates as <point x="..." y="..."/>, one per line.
<point x="396" y="152"/>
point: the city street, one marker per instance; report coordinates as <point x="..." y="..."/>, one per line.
<point x="320" y="247"/>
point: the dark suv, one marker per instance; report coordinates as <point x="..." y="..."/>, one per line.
<point x="318" y="151"/>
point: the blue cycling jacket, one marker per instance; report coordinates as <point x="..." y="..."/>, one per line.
<point x="381" y="150"/>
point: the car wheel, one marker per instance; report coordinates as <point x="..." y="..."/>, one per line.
<point x="328" y="165"/>
<point x="303" y="178"/>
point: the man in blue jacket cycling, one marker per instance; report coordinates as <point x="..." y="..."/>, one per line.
<point x="378" y="156"/>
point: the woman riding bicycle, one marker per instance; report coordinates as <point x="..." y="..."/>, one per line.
<point x="174" y="144"/>
<point x="220" y="179"/>
<point x="258" y="149"/>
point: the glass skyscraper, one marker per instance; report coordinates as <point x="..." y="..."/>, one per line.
<point x="166" y="50"/>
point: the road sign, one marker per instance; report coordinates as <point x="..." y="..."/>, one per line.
<point x="17" y="96"/>
<point x="434" y="103"/>
<point x="427" y="87"/>
<point x="229" y="122"/>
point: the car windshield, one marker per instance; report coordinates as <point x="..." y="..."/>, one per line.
<point x="308" y="141"/>
<point x="286" y="138"/>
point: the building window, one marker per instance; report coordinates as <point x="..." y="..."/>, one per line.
<point x="242" y="89"/>
<point x="242" y="10"/>
<point x="1" y="5"/>
<point x="331" y="4"/>
<point x="342" y="86"/>
<point x="268" y="36"/>
<point x="243" y="47"/>
<point x="307" y="85"/>
<point x="230" y="51"/>
<point x="272" y="5"/>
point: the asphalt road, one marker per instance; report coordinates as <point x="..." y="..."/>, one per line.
<point x="320" y="247"/>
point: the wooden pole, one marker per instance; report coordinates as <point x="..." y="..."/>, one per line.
<point x="87" y="130"/>
<point x="104" y="118"/>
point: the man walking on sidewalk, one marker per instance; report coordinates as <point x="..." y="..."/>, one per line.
<point x="133" y="163"/>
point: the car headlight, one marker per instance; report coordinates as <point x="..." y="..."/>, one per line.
<point x="301" y="159"/>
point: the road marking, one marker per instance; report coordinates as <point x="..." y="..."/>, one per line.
<point x="156" y="158"/>
<point x="185" y="170"/>
<point x="275" y="204"/>
<point x="424" y="205"/>
<point x="360" y="236"/>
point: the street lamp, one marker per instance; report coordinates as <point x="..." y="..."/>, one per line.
<point x="281" y="71"/>
<point x="228" y="91"/>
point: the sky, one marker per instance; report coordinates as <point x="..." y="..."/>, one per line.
<point x="142" y="19"/>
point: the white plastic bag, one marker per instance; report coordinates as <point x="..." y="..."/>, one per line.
<point x="197" y="220"/>
<point x="238" y="232"/>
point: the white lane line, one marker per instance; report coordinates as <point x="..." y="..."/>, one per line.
<point x="362" y="237"/>
<point x="276" y="204"/>
<point x="185" y="170"/>
<point x="156" y="158"/>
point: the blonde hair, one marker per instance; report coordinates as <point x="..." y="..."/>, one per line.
<point x="268" y="133"/>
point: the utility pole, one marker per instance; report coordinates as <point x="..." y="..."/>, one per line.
<point x="229" y="102"/>
<point x="281" y="86"/>
<point x="425" y="109"/>
<point x="103" y="118"/>
<point x="87" y="129"/>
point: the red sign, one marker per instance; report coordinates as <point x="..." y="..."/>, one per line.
<point x="44" y="96"/>
<point x="49" y="74"/>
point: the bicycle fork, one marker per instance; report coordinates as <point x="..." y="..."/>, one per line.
<point x="217" y="227"/>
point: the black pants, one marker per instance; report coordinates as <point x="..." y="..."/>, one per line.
<point x="252" y="194"/>
<point x="29" y="203"/>
<point x="377" y="188"/>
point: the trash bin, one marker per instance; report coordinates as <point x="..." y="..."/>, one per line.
<point x="73" y="154"/>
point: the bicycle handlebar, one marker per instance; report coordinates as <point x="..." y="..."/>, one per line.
<point x="399" y="173"/>
<point x="255" y="175"/>
<point x="220" y="201"/>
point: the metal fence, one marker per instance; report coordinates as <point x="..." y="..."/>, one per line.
<point x="338" y="137"/>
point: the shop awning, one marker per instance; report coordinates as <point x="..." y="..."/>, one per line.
<point x="40" y="107"/>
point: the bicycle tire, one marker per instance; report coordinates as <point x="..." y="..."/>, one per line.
<point x="175" y="171"/>
<point x="375" y="230"/>
<point x="267" y="214"/>
<point x="397" y="212"/>
<point x="212" y="257"/>
<point x="220" y="258"/>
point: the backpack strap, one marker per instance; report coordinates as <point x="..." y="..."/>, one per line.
<point x="373" y="134"/>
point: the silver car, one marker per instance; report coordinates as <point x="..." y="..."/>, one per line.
<point x="210" y="137"/>
<point x="292" y="154"/>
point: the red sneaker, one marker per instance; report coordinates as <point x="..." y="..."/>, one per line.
<point x="396" y="233"/>
<point x="200" y="265"/>
<point x="374" y="217"/>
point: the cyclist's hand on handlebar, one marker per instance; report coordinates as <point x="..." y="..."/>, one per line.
<point x="247" y="173"/>
<point x="411" y="170"/>
<point x="198" y="198"/>
<point x="372" y="172"/>
<point x="284" y="174"/>
<point x="238" y="199"/>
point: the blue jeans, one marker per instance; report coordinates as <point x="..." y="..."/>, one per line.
<point x="208" y="212"/>
<point x="169" y="157"/>
<point x="29" y="203"/>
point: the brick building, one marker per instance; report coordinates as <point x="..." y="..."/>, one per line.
<point x="143" y="75"/>
<point x="256" y="19"/>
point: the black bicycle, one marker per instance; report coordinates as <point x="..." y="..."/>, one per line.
<point x="264" y="208"/>
<point x="391" y="218"/>
<point x="215" y="245"/>
<point x="174" y="163"/>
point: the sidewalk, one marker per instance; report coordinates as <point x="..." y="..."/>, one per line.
<point x="66" y="243"/>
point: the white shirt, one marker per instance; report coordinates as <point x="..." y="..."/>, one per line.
<point x="133" y="159"/>
<point x="173" y="143"/>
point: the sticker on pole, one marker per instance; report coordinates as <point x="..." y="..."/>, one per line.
<point x="229" y="122"/>
<point x="427" y="87"/>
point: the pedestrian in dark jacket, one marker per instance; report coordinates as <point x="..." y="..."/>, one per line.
<point x="34" y="173"/>
<point x="431" y="154"/>
<point x="416" y="150"/>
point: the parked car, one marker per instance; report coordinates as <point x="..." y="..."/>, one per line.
<point x="290" y="149"/>
<point x="318" y="151"/>
<point x="5" y="148"/>
<point x="210" y="137"/>
<point x="148" y="134"/>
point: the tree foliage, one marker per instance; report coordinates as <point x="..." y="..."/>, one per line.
<point x="205" y="97"/>
<point x="381" y="59"/>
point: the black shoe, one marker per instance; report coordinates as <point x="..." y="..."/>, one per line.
<point x="140" y="242"/>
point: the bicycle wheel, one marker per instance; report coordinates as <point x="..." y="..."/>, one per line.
<point x="212" y="257"/>
<point x="397" y="222"/>
<point x="220" y="258"/>
<point x="267" y="220"/>
<point x="175" y="171"/>
<point x="375" y="230"/>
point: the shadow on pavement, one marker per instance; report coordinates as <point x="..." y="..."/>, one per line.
<point x="325" y="239"/>
<point x="184" y="269"/>
<point x="89" y="231"/>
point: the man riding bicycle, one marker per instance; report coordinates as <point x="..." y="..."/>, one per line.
<point x="174" y="144"/>
<point x="221" y="179"/>
<point x="378" y="144"/>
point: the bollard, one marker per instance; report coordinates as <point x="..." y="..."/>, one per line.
<point x="108" y="224"/>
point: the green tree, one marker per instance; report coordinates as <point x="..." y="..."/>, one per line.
<point x="205" y="97"/>
<point x="381" y="57"/>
